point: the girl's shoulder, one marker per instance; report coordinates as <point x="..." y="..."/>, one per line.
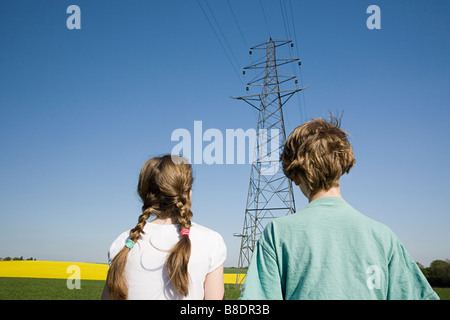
<point x="200" y="230"/>
<point x="117" y="245"/>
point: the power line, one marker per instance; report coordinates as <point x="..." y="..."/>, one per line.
<point x="288" y="36"/>
<point x="286" y="24"/>
<point x="265" y="18"/>
<point x="221" y="32"/>
<point x="287" y="29"/>
<point x="218" y="38"/>
<point x="298" y="55"/>
<point x="235" y="20"/>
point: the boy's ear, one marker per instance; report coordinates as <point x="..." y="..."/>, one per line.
<point x="299" y="178"/>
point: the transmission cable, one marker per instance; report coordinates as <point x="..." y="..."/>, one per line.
<point x="220" y="42"/>
<point x="265" y="18"/>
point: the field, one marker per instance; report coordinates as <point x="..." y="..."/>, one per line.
<point x="443" y="293"/>
<point x="47" y="280"/>
<point x="56" y="289"/>
<point x="73" y="270"/>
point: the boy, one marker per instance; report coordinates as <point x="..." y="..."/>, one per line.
<point x="328" y="250"/>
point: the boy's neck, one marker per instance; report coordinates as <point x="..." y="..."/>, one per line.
<point x="333" y="192"/>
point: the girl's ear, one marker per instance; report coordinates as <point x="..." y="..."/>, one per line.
<point x="190" y="194"/>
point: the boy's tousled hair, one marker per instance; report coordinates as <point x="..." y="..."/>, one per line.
<point x="164" y="186"/>
<point x="318" y="153"/>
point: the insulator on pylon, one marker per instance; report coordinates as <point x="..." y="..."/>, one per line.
<point x="292" y="44"/>
<point x="299" y="63"/>
<point x="243" y="72"/>
<point x="296" y="81"/>
<point x="250" y="52"/>
<point x="246" y="88"/>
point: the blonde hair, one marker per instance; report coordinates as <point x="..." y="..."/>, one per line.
<point x="164" y="186"/>
<point x="317" y="153"/>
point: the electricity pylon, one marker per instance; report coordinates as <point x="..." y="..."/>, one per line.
<point x="270" y="193"/>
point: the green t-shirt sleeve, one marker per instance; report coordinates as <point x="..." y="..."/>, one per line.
<point x="262" y="281"/>
<point x="406" y="281"/>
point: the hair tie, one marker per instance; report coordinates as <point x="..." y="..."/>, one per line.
<point x="185" y="232"/>
<point x="129" y="244"/>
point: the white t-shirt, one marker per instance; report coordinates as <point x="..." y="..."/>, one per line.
<point x="146" y="272"/>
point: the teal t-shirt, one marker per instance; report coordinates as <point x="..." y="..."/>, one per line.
<point x="328" y="250"/>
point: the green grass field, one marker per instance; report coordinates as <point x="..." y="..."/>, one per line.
<point x="56" y="289"/>
<point x="48" y="289"/>
<point x="234" y="270"/>
<point x="443" y="293"/>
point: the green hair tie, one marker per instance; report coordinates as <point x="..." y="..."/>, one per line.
<point x="129" y="244"/>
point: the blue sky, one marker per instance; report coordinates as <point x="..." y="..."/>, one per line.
<point x="82" y="110"/>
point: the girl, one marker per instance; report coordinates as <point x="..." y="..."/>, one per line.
<point x="169" y="257"/>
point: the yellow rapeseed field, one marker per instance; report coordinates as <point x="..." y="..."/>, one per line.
<point x="231" y="278"/>
<point x="53" y="270"/>
<point x="64" y="270"/>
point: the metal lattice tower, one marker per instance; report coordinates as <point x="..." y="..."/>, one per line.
<point x="270" y="193"/>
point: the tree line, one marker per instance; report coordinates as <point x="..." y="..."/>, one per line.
<point x="16" y="258"/>
<point x="438" y="273"/>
